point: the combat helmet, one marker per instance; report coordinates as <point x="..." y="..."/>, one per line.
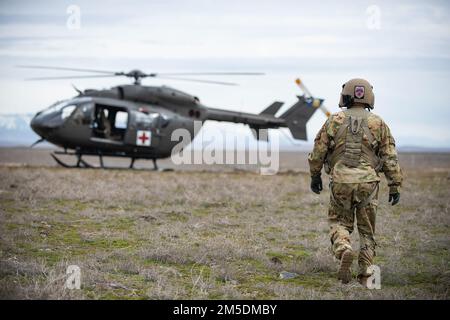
<point x="357" y="91"/>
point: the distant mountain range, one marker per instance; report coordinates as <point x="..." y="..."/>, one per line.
<point x="15" y="131"/>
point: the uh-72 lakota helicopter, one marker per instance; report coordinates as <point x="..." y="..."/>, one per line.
<point x="137" y="121"/>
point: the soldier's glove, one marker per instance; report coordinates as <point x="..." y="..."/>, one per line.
<point x="316" y="184"/>
<point x="394" y="197"/>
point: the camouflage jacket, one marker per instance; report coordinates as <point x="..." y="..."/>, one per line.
<point x="364" y="172"/>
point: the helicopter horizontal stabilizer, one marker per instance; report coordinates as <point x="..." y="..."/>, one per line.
<point x="273" y="108"/>
<point x="270" y="110"/>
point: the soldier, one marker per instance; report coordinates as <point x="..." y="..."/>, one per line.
<point x="353" y="146"/>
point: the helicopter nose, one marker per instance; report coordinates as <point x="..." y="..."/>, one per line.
<point x="44" y="125"/>
<point x="38" y="126"/>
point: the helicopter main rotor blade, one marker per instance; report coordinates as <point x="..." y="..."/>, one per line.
<point x="137" y="74"/>
<point x="207" y="74"/>
<point x="199" y="80"/>
<point x="71" y="77"/>
<point x="65" y="69"/>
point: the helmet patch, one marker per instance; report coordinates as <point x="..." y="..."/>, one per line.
<point x="359" y="92"/>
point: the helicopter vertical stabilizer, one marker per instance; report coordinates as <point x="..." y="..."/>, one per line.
<point x="298" y="115"/>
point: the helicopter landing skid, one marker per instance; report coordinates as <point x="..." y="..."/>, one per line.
<point x="83" y="164"/>
<point x="80" y="163"/>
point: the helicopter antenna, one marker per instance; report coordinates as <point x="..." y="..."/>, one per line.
<point x="76" y="89"/>
<point x="138" y="75"/>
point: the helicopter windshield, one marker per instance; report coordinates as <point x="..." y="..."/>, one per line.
<point x="67" y="111"/>
<point x="65" y="108"/>
<point x="55" y="107"/>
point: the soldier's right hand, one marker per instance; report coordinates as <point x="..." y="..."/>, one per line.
<point x="316" y="184"/>
<point x="394" y="197"/>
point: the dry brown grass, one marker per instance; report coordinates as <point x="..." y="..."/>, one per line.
<point x="207" y="235"/>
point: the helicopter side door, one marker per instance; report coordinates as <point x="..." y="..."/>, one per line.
<point x="141" y="129"/>
<point x="109" y="124"/>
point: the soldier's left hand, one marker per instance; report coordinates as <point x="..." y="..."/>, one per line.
<point x="394" y="197"/>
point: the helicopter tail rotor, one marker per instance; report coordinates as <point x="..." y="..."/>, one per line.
<point x="308" y="93"/>
<point x="298" y="115"/>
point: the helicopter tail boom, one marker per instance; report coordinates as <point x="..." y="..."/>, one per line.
<point x="295" y="118"/>
<point x="266" y="119"/>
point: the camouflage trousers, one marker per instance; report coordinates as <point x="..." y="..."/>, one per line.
<point x="350" y="201"/>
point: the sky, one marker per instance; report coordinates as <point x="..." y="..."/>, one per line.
<point x="401" y="47"/>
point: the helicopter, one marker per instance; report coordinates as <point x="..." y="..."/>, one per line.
<point x="136" y="121"/>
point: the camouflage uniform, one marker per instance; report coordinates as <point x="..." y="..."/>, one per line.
<point x="354" y="189"/>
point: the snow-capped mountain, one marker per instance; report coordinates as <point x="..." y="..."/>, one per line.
<point x="15" y="130"/>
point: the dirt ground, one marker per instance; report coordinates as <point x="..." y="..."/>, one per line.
<point x="208" y="232"/>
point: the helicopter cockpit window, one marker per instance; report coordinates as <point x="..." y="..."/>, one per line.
<point x="67" y="111"/>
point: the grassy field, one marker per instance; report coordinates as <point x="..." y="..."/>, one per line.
<point x="207" y="235"/>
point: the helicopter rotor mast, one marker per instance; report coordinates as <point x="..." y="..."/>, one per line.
<point x="137" y="75"/>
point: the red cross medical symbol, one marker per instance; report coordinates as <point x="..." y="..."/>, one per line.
<point x="143" y="137"/>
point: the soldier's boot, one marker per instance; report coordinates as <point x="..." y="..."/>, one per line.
<point x="345" y="271"/>
<point x="363" y="274"/>
<point x="365" y="259"/>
